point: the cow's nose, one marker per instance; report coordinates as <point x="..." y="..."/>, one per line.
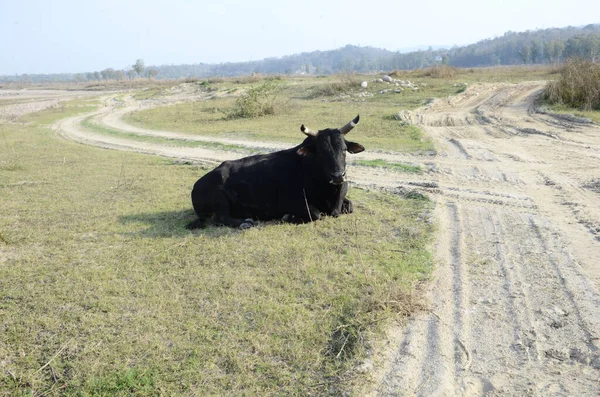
<point x="337" y="178"/>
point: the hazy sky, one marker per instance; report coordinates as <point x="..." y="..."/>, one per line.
<point x="52" y="36"/>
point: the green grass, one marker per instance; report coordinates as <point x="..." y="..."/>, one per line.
<point x="104" y="291"/>
<point x="411" y="169"/>
<point x="593" y="115"/>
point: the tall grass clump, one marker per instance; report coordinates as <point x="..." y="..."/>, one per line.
<point x="440" y="72"/>
<point x="345" y="84"/>
<point x="258" y="101"/>
<point x="577" y="87"/>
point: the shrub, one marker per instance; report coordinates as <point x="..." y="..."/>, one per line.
<point x="258" y="101"/>
<point x="346" y="84"/>
<point x="440" y="72"/>
<point x="578" y="85"/>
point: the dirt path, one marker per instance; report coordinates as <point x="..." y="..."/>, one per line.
<point x="514" y="303"/>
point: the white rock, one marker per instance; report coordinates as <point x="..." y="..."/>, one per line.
<point x="364" y="84"/>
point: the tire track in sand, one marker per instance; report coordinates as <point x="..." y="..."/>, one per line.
<point x="512" y="308"/>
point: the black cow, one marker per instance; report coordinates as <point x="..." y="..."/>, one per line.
<point x="296" y="185"/>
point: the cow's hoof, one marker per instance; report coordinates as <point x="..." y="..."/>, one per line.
<point x="248" y="223"/>
<point x="286" y="218"/>
<point x="347" y="208"/>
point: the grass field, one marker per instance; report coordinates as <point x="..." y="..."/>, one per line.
<point x="299" y="105"/>
<point x="104" y="292"/>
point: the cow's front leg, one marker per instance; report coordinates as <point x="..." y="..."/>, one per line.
<point x="340" y="205"/>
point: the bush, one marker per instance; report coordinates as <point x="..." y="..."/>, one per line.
<point x="346" y="84"/>
<point x="258" y="101"/>
<point x="440" y="72"/>
<point x="578" y="86"/>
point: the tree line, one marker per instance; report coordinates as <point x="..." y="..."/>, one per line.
<point x="532" y="47"/>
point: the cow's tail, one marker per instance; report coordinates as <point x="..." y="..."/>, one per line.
<point x="197" y="224"/>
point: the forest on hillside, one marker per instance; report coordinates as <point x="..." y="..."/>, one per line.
<point x="542" y="46"/>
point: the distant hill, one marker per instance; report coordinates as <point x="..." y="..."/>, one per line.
<point x="540" y="46"/>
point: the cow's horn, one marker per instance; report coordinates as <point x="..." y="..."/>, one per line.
<point x="346" y="129"/>
<point x="307" y="131"/>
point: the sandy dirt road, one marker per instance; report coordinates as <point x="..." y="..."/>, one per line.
<point x="514" y="304"/>
<point x="514" y="307"/>
<point x="16" y="103"/>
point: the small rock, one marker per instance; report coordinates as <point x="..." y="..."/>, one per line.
<point x="364" y="84"/>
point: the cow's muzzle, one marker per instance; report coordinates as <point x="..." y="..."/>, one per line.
<point x="338" y="178"/>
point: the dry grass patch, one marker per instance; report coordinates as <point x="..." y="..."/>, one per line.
<point x="578" y="86"/>
<point x="342" y="84"/>
<point x="440" y="72"/>
<point x="258" y="101"/>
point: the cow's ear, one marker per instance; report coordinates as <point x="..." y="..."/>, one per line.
<point x="305" y="150"/>
<point x="354" y="147"/>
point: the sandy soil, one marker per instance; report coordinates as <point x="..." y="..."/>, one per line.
<point x="514" y="307"/>
<point x="514" y="304"/>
